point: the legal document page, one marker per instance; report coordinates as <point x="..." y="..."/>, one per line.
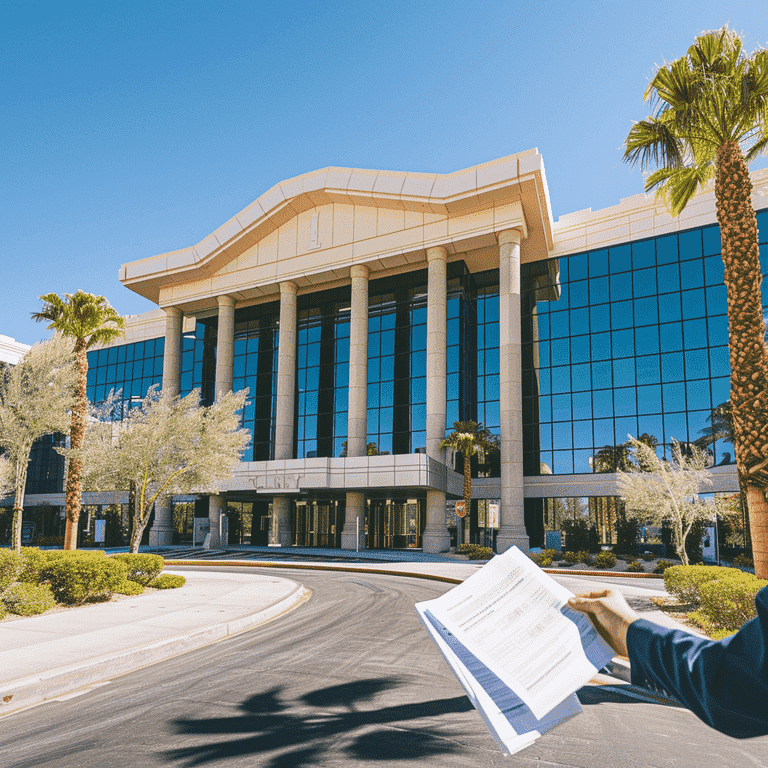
<point x="515" y="620"/>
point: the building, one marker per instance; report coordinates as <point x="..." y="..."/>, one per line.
<point x="366" y="311"/>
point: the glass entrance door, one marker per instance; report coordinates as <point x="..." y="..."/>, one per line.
<point x="317" y="523"/>
<point x="393" y="524"/>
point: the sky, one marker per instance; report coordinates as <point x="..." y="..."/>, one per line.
<point x="130" y="129"/>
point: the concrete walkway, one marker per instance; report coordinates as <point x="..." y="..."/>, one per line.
<point x="58" y="654"/>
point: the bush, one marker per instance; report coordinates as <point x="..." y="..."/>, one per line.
<point x="475" y="552"/>
<point x="648" y="556"/>
<point x="33" y="562"/>
<point x="605" y="559"/>
<point x="10" y="567"/>
<point x="129" y="588"/>
<point x="571" y="558"/>
<point x="744" y="560"/>
<point x="168" y="581"/>
<point x="662" y="565"/>
<point x="585" y="557"/>
<point x="50" y="541"/>
<point x="729" y="603"/>
<point x="685" y="581"/>
<point x="544" y="558"/>
<point x="142" y="568"/>
<point x="579" y="534"/>
<point x="28" y="599"/>
<point x="626" y="534"/>
<point x="3" y="611"/>
<point x="636" y="567"/>
<point x="75" y="579"/>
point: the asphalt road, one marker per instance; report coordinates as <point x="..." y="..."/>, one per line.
<point x="348" y="679"/>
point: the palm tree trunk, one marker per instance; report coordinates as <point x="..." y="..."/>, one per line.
<point x="748" y="353"/>
<point x="73" y="494"/>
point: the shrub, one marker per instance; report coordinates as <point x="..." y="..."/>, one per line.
<point x="33" y="562"/>
<point x="28" y="599"/>
<point x="648" y="556"/>
<point x="579" y="534"/>
<point x="685" y="581"/>
<point x="10" y="566"/>
<point x="636" y="567"/>
<point x="730" y="602"/>
<point x="626" y="534"/>
<point x="544" y="558"/>
<point x="128" y="587"/>
<point x="662" y="566"/>
<point x="744" y="560"/>
<point x="168" y="581"/>
<point x="585" y="557"/>
<point x="3" y="611"/>
<point x="605" y="559"/>
<point x="141" y="568"/>
<point x="76" y="579"/>
<point x="50" y="541"/>
<point x="571" y="558"/>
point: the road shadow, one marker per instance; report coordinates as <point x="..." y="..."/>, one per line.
<point x="297" y="732"/>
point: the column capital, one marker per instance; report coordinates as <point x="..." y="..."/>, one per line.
<point x="288" y="286"/>
<point x="513" y="236"/>
<point x="437" y="252"/>
<point x="225" y="300"/>
<point x="359" y="270"/>
<point x="172" y="311"/>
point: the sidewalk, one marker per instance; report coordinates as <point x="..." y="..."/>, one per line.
<point x="46" y="657"/>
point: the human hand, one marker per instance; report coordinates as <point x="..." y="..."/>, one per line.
<point x="610" y="613"/>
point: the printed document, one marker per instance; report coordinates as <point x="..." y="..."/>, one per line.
<point x="516" y="646"/>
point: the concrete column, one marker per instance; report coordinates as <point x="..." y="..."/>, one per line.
<point x="286" y="372"/>
<point x="353" y="533"/>
<point x="161" y="532"/>
<point x="172" y="352"/>
<point x="357" y="419"/>
<point x="435" y="536"/>
<point x="512" y="530"/>
<point x="225" y="345"/>
<point x="216" y="507"/>
<point x="357" y="414"/>
<point x="280" y="534"/>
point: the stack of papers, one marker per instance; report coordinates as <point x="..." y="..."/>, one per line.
<point x="517" y="648"/>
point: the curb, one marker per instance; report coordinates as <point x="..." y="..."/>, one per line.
<point x="25" y="692"/>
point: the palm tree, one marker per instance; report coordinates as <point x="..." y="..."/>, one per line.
<point x="710" y="122"/>
<point x="89" y="320"/>
<point x="469" y="437"/>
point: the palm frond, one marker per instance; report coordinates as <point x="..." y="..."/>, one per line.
<point x="652" y="141"/>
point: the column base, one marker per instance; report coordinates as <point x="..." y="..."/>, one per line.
<point x="352" y="541"/>
<point x="161" y="536"/>
<point x="434" y="541"/>
<point x="513" y="535"/>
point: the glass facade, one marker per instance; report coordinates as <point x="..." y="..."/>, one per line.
<point x="322" y="374"/>
<point x="198" y="360"/>
<point x="130" y="368"/>
<point x="255" y="367"/>
<point x="630" y="339"/>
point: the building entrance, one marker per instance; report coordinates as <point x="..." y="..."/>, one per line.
<point x="317" y="523"/>
<point x="393" y="523"/>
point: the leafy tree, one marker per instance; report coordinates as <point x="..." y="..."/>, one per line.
<point x="35" y="398"/>
<point x="710" y="122"/>
<point x="89" y="320"/>
<point x="668" y="490"/>
<point x="169" y="445"/>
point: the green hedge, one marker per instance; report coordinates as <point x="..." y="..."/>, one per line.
<point x="168" y="581"/>
<point x="475" y="552"/>
<point x="544" y="558"/>
<point x="685" y="581"/>
<point x="75" y="579"/>
<point x="33" y="562"/>
<point x="10" y="567"/>
<point x="129" y="587"/>
<point x="28" y="599"/>
<point x="730" y="602"/>
<point x="142" y="569"/>
<point x="605" y="559"/>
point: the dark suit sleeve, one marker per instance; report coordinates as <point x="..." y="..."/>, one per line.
<point x="724" y="683"/>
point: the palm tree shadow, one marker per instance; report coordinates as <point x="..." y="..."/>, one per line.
<point x="299" y="732"/>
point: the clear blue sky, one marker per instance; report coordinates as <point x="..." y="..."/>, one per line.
<point x="134" y="128"/>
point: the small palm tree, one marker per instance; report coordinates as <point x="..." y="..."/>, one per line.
<point x="711" y="121"/>
<point x="89" y="320"/>
<point x="469" y="437"/>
